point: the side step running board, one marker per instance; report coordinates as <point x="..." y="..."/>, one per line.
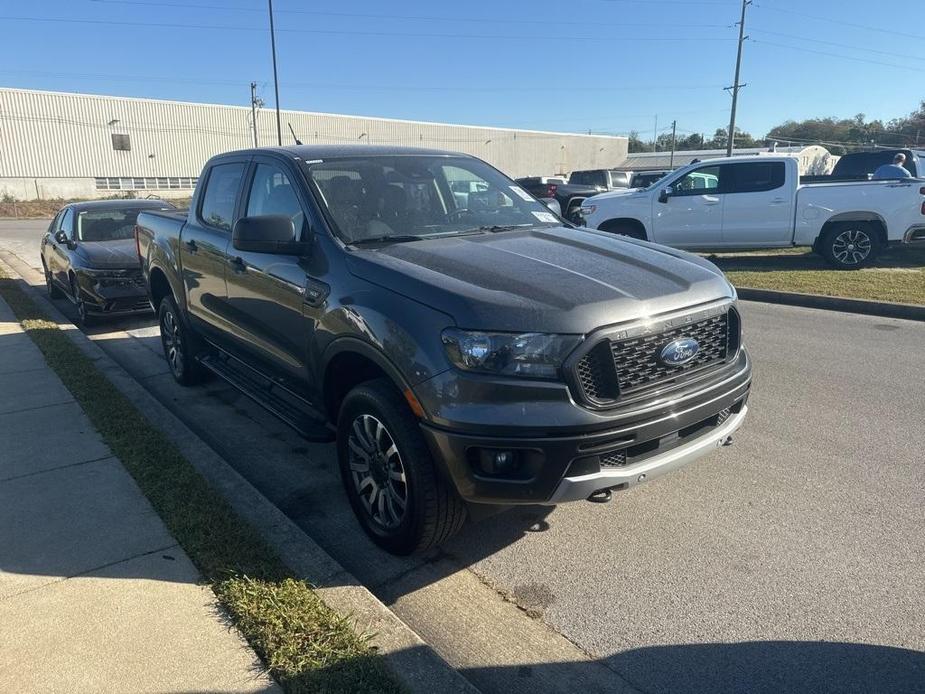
<point x="289" y="407"/>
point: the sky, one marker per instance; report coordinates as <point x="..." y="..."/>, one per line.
<point x="609" y="66"/>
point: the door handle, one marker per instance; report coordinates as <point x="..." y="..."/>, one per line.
<point x="778" y="201"/>
<point x="191" y="246"/>
<point x="710" y="200"/>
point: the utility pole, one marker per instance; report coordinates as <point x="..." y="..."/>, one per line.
<point x="736" y="86"/>
<point x="279" y="125"/>
<point x="655" y="135"/>
<point x="254" y="111"/>
<point x="674" y="132"/>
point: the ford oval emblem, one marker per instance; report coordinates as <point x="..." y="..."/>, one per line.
<point x="679" y="352"/>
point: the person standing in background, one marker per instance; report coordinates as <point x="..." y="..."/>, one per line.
<point x="894" y="170"/>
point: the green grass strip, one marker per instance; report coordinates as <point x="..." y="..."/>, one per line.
<point x="898" y="274"/>
<point x="304" y="644"/>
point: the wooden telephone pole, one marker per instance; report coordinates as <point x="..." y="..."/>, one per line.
<point x="736" y="86"/>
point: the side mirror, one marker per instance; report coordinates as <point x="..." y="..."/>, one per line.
<point x="61" y="237"/>
<point x="274" y="233"/>
<point x="553" y="205"/>
<point x="665" y="194"/>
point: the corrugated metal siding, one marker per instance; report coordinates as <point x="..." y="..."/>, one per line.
<point x="68" y="135"/>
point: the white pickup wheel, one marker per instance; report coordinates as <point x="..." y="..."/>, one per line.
<point x="850" y="245"/>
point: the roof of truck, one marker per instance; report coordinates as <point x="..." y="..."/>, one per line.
<point x="122" y="204"/>
<point x="311" y="152"/>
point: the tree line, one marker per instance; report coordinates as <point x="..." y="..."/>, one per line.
<point x="838" y="135"/>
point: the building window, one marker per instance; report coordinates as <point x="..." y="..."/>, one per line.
<point x="162" y="183"/>
<point x="121" y="142"/>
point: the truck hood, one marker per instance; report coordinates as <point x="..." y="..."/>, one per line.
<point x="113" y="255"/>
<point x="543" y="279"/>
<point x="619" y="193"/>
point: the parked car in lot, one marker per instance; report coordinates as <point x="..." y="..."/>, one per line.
<point x="758" y="202"/>
<point x="568" y="196"/>
<point x="605" y="179"/>
<point x="464" y="352"/>
<point x="88" y="255"/>
<point x="644" y="179"/>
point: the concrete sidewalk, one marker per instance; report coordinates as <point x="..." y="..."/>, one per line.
<point x="95" y="594"/>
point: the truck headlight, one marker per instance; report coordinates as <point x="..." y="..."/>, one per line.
<point x="532" y="355"/>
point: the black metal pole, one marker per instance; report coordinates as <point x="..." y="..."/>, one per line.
<point x="254" y="110"/>
<point x="279" y="125"/>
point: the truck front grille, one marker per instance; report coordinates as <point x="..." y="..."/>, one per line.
<point x="616" y="368"/>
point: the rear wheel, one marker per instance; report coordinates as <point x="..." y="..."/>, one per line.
<point x="850" y="245"/>
<point x="389" y="475"/>
<point x="180" y="344"/>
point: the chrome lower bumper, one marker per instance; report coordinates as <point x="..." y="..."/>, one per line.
<point x="578" y="488"/>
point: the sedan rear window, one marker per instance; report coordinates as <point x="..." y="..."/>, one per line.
<point x="108" y="225"/>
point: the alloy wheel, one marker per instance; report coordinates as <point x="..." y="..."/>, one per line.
<point x="851" y="247"/>
<point x="173" y="342"/>
<point x="377" y="471"/>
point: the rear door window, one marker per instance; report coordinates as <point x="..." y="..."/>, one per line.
<point x="756" y="177"/>
<point x="220" y="195"/>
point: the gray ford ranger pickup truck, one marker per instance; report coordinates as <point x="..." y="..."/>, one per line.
<point x="464" y="346"/>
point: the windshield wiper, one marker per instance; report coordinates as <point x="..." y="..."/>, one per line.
<point x="494" y="228"/>
<point x="395" y="238"/>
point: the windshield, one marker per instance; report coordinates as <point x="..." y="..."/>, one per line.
<point x="108" y="225"/>
<point x="415" y="196"/>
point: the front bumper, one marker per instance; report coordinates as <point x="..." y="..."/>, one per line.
<point x="567" y="465"/>
<point x="113" y="296"/>
<point x="582" y="486"/>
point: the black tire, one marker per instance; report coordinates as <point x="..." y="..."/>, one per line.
<point x="54" y="291"/>
<point x="84" y="319"/>
<point x="849" y="245"/>
<point x="181" y="345"/>
<point x="624" y="229"/>
<point x="432" y="511"/>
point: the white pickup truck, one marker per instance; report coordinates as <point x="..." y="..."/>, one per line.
<point x="743" y="203"/>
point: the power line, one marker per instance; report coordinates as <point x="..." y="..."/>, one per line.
<point x="426" y="18"/>
<point x="892" y="54"/>
<point x="347" y="32"/>
<point x="339" y="86"/>
<point x="830" y="20"/>
<point x="837" y="55"/>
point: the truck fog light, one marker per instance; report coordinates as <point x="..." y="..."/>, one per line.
<point x="498" y="462"/>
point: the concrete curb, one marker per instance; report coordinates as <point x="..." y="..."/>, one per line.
<point x="413" y="661"/>
<point x="884" y="309"/>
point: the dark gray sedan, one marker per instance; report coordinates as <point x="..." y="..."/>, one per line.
<point x="89" y="256"/>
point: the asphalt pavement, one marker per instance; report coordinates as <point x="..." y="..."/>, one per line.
<point x="791" y="561"/>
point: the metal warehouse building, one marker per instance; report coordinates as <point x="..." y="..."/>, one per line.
<point x="57" y="144"/>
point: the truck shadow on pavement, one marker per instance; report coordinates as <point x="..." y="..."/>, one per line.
<point x="756" y="667"/>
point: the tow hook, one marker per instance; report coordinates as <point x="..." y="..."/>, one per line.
<point x="728" y="441"/>
<point x="601" y="496"/>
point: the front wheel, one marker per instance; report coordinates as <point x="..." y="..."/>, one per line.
<point x="54" y="292"/>
<point x="849" y="245"/>
<point x="389" y="475"/>
<point x="179" y="344"/>
<point x="84" y="318"/>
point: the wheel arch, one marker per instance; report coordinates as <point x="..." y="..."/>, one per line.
<point x="872" y="218"/>
<point x="348" y="362"/>
<point x="611" y="225"/>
